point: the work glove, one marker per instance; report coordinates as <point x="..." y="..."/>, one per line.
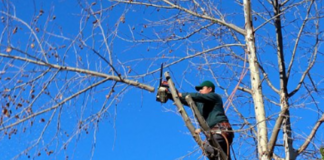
<point x="166" y="85"/>
<point x="169" y="95"/>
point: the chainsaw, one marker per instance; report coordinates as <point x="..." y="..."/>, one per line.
<point x="162" y="91"/>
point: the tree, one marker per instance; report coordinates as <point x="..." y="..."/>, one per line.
<point x="47" y="77"/>
<point x="224" y="41"/>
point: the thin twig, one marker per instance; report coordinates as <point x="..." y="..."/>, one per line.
<point x="54" y="107"/>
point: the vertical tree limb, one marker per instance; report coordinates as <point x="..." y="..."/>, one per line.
<point x="182" y="111"/>
<point x="256" y="86"/>
<point x="286" y="126"/>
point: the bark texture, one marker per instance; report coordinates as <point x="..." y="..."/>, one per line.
<point x="182" y="111"/>
<point x="256" y="83"/>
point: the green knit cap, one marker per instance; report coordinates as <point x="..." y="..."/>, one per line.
<point x="207" y="84"/>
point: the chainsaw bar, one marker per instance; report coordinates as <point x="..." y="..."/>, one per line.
<point x="161" y="95"/>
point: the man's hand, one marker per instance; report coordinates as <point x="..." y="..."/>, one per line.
<point x="178" y="93"/>
<point x="169" y="94"/>
<point x="197" y="131"/>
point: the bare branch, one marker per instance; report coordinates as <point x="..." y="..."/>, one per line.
<point x="37" y="96"/>
<point x="298" y="39"/>
<point x="192" y="56"/>
<point x="311" y="135"/>
<point x="267" y="21"/>
<point x="40" y="137"/>
<point x="66" y="68"/>
<point x="104" y="59"/>
<point x="244" y="89"/>
<point x="145" y="4"/>
<point x="168" y="40"/>
<point x="105" y="39"/>
<point x="54" y="107"/>
<point x="201" y="8"/>
<point x="237" y="29"/>
<point x="306" y="71"/>
<point x="174" y="6"/>
<point x="283" y="3"/>
<point x="276" y="128"/>
<point x="30" y="29"/>
<point x="265" y="76"/>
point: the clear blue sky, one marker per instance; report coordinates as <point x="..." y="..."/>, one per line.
<point x="137" y="127"/>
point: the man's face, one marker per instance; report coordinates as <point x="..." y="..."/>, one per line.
<point x="205" y="90"/>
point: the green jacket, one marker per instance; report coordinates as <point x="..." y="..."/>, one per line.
<point x="209" y="105"/>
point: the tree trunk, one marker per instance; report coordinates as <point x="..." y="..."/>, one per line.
<point x="256" y="83"/>
<point x="289" y="150"/>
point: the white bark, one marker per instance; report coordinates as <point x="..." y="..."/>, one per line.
<point x="256" y="87"/>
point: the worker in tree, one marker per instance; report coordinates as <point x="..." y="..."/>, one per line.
<point x="210" y="106"/>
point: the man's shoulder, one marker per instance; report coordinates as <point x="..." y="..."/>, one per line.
<point x="210" y="95"/>
<point x="213" y="94"/>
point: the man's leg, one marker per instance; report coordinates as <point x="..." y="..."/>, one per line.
<point x="210" y="152"/>
<point x="222" y="142"/>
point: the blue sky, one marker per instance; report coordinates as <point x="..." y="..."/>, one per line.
<point x="136" y="126"/>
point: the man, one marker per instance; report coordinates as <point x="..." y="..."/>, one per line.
<point x="210" y="106"/>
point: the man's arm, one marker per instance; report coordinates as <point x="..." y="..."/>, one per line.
<point x="182" y="99"/>
<point x="204" y="98"/>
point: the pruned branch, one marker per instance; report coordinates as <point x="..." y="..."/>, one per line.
<point x="89" y="72"/>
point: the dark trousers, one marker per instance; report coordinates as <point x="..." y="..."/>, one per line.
<point x="213" y="154"/>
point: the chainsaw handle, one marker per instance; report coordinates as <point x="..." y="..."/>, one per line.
<point x="165" y="84"/>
